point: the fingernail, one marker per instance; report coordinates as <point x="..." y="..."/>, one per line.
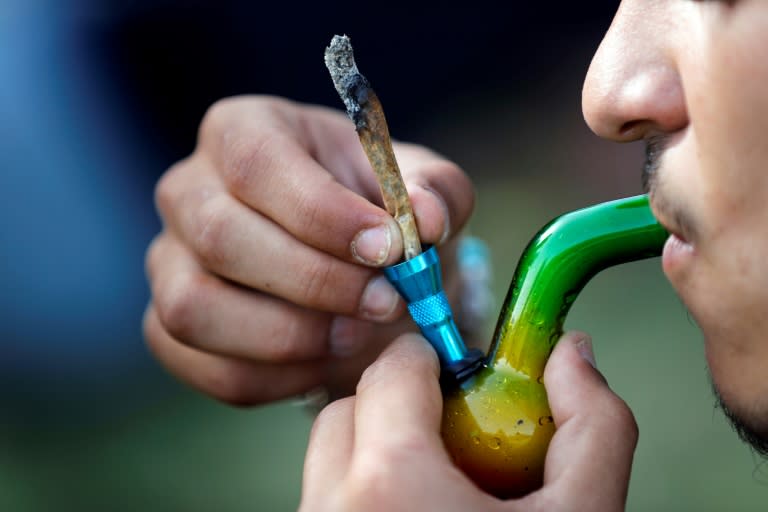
<point x="584" y="347"/>
<point x="346" y="336"/>
<point x="371" y="246"/>
<point x="379" y="299"/>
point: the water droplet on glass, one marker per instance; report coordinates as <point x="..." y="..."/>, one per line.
<point x="545" y="420"/>
<point x="494" y="443"/>
<point x="475" y="439"/>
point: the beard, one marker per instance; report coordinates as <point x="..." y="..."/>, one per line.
<point x="751" y="429"/>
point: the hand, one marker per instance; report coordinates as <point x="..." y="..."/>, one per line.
<point x="263" y="279"/>
<point x="381" y="449"/>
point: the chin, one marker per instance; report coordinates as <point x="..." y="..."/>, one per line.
<point x="736" y="379"/>
<point x="750" y="424"/>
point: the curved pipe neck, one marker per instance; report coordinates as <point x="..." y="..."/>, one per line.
<point x="554" y="268"/>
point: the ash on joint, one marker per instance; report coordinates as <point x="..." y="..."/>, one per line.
<point x="351" y="85"/>
<point x="357" y="91"/>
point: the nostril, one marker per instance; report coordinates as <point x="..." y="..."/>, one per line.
<point x="633" y="130"/>
<point x="628" y="128"/>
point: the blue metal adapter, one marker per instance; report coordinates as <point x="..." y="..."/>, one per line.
<point x="419" y="281"/>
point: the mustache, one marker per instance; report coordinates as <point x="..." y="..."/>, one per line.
<point x="654" y="150"/>
<point x="666" y="202"/>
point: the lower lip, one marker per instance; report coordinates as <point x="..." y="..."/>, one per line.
<point x="677" y="253"/>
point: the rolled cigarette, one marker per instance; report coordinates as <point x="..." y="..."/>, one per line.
<point x="364" y="108"/>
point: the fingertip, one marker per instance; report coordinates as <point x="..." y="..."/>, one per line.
<point x="433" y="218"/>
<point x="453" y="195"/>
<point x="573" y="348"/>
<point x="413" y="349"/>
<point x="582" y="342"/>
<point x="571" y="369"/>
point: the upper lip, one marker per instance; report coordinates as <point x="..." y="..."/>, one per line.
<point x="670" y="213"/>
<point x="669" y="222"/>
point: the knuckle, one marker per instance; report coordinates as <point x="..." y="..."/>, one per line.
<point x="377" y="473"/>
<point x="234" y="389"/>
<point x="314" y="286"/>
<point x="309" y="210"/>
<point x="334" y="410"/>
<point x="300" y="339"/>
<point x="241" y="160"/>
<point x="369" y="377"/>
<point x="247" y="161"/>
<point x="245" y="155"/>
<point x="402" y="451"/>
<point x="216" y="117"/>
<point x="621" y="416"/>
<point x="373" y="480"/>
<point x="152" y="258"/>
<point x="628" y="421"/>
<point x="166" y="190"/>
<point x="212" y="232"/>
<point x="179" y="304"/>
<point x="375" y="373"/>
<point x="234" y="382"/>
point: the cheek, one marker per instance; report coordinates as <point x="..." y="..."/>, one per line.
<point x="727" y="101"/>
<point x="721" y="174"/>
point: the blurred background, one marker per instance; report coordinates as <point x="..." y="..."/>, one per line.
<point x="97" y="99"/>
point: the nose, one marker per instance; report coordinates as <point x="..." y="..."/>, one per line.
<point x="633" y="88"/>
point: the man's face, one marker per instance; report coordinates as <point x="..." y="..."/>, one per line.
<point x="691" y="78"/>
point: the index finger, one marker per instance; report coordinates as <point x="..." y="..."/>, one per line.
<point x="399" y="403"/>
<point x="267" y="150"/>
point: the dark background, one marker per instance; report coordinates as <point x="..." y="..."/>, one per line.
<point x="97" y="99"/>
<point x="170" y="60"/>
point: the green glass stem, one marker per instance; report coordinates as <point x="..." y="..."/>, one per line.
<point x="556" y="266"/>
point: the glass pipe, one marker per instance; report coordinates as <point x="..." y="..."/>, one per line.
<point x="496" y="419"/>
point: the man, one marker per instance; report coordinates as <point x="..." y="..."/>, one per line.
<point x="686" y="76"/>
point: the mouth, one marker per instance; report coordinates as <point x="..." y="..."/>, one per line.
<point x="678" y="249"/>
<point x="676" y="233"/>
<point x="669" y="205"/>
<point x="675" y="249"/>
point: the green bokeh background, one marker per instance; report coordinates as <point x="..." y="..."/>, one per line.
<point x="532" y="158"/>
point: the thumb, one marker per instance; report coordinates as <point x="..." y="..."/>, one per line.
<point x="590" y="457"/>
